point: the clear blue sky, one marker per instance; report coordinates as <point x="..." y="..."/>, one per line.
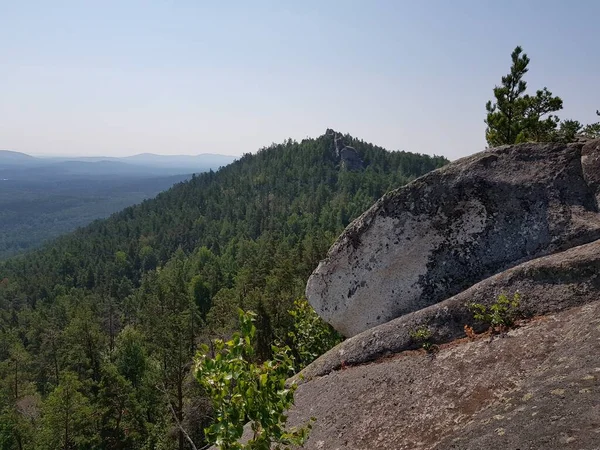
<point x="186" y="77"/>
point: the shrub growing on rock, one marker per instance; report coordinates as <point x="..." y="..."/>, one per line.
<point x="501" y="314"/>
<point x="423" y="336"/>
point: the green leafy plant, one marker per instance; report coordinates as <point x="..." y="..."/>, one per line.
<point x="499" y="315"/>
<point x="423" y="336"/>
<point x="311" y="336"/>
<point x="244" y="391"/>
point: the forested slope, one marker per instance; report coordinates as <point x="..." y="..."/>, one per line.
<point x="35" y="210"/>
<point x="109" y="317"/>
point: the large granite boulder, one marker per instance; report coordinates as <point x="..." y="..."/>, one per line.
<point x="458" y="225"/>
<point x="547" y="285"/>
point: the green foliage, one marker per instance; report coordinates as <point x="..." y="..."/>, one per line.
<point x="423" y="336"/>
<point x="311" y="336"/>
<point x="592" y="130"/>
<point x="121" y="422"/>
<point x="502" y="313"/>
<point x="201" y="294"/>
<point x="123" y="303"/>
<point x="539" y="124"/>
<point x="504" y="116"/>
<point x="18" y="423"/>
<point x="518" y="117"/>
<point x="67" y="421"/>
<point x="8" y="440"/>
<point x="568" y="130"/>
<point x="242" y="390"/>
<point x="130" y="356"/>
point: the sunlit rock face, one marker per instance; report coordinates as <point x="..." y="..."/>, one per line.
<point x="444" y="232"/>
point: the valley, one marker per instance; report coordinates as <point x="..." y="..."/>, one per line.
<point x="42" y="198"/>
<point x="115" y="310"/>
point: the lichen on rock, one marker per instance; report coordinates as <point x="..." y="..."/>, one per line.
<point x="456" y="226"/>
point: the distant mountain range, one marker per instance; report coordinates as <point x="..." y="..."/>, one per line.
<point x="7" y="156"/>
<point x="41" y="198"/>
<point x="16" y="165"/>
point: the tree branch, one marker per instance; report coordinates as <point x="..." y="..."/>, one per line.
<point x="185" y="434"/>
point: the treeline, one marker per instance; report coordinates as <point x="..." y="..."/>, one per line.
<point x="98" y="329"/>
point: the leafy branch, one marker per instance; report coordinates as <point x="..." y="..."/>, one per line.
<point x="242" y="390"/>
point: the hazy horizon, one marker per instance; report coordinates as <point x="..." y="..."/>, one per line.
<point x="48" y="155"/>
<point x="123" y="78"/>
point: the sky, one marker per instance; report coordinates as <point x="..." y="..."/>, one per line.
<point x="117" y="78"/>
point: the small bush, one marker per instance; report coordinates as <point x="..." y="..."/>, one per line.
<point x="499" y="315"/>
<point x="423" y="336"/>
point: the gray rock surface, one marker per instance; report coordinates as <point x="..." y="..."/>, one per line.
<point x="536" y="389"/>
<point x="350" y="160"/>
<point x="458" y="225"/>
<point x="590" y="162"/>
<point x="547" y="285"/>
<point x="348" y="156"/>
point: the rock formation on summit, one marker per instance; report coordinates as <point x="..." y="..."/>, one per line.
<point x="456" y="226"/>
<point x="348" y="156"/>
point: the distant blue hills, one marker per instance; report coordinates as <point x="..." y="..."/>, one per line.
<point x="42" y="198"/>
<point x="16" y="165"/>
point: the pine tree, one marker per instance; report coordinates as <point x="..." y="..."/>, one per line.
<point x="519" y="117"/>
<point x="539" y="124"/>
<point x="568" y="130"/>
<point x="593" y="129"/>
<point x="67" y="421"/>
<point x="504" y="116"/>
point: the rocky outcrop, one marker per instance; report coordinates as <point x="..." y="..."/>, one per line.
<point x="513" y="219"/>
<point x="547" y="285"/>
<point x="456" y="226"/>
<point x="350" y="160"/>
<point x="348" y="156"/>
<point x="536" y="389"/>
<point x="590" y="162"/>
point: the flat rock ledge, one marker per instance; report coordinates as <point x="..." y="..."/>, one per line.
<point x="536" y="389"/>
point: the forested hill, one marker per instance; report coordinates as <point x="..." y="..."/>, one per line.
<point x="114" y="310"/>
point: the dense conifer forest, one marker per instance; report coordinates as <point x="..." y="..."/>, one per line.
<point x="35" y="210"/>
<point x="98" y="329"/>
